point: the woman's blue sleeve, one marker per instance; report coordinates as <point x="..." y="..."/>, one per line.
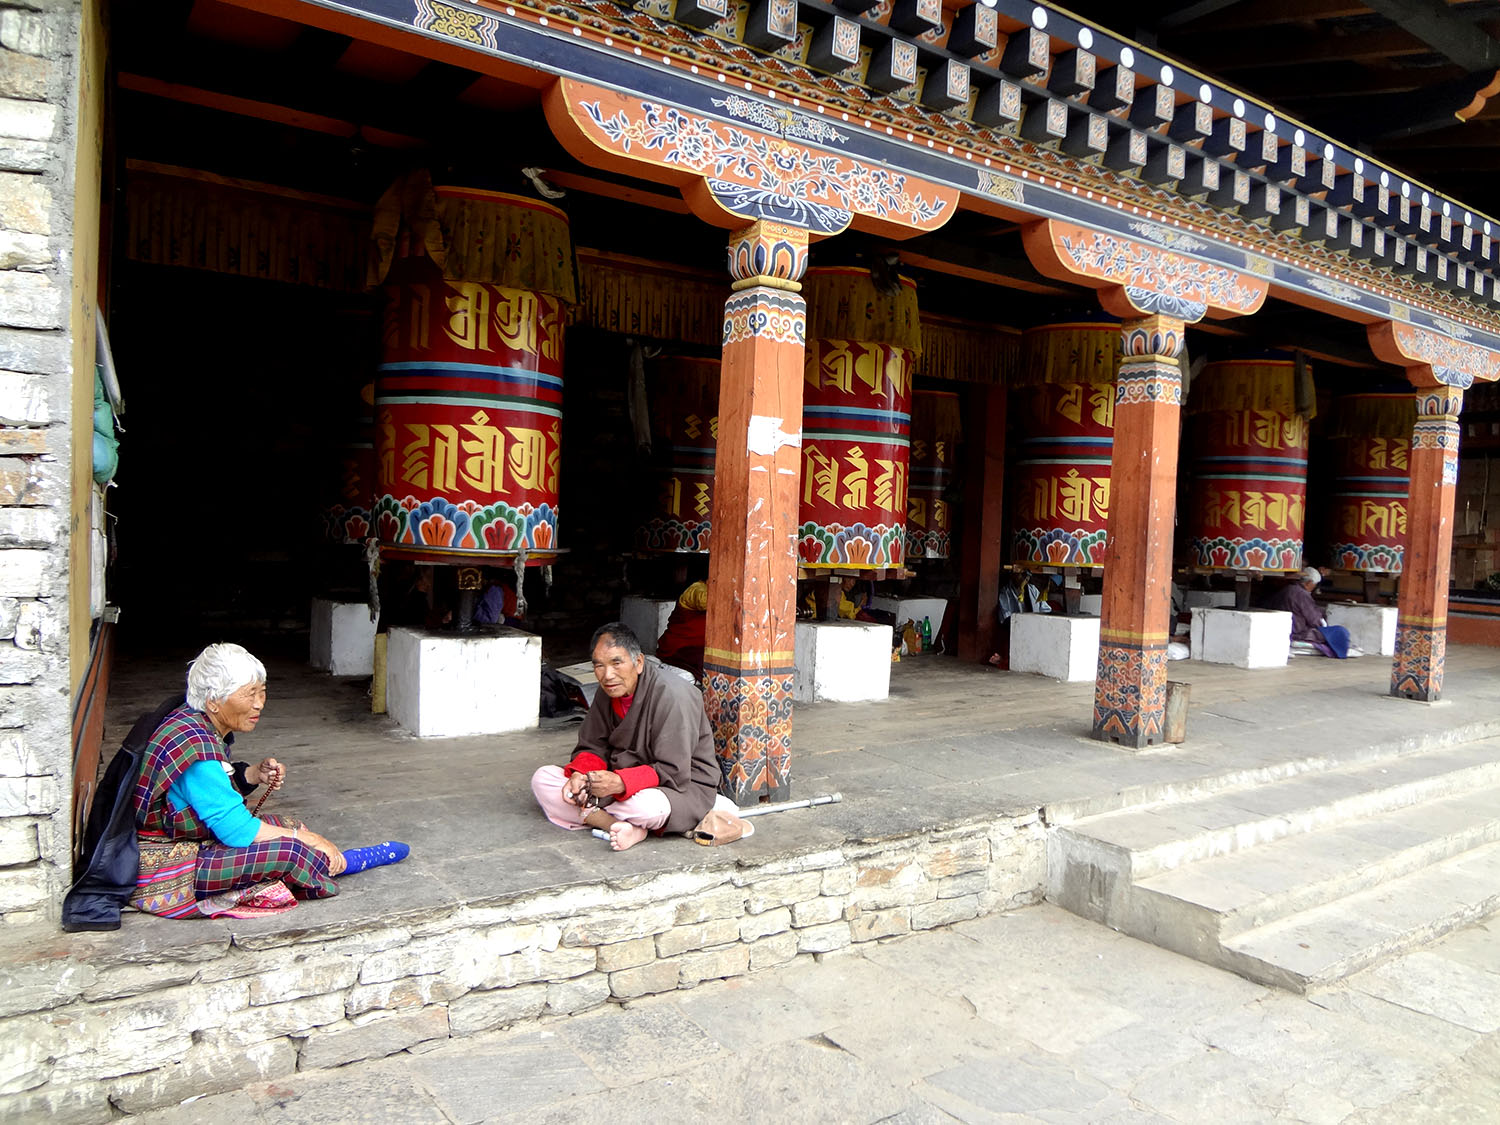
<point x="207" y="789"/>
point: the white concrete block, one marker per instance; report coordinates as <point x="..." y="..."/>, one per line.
<point x="342" y="638"/>
<point x="647" y="617"/>
<point x="1219" y="599"/>
<point x="1246" y="638"/>
<point x="1056" y="645"/>
<point x="842" y="661"/>
<point x="1371" y="627"/>
<point x="913" y="609"/>
<point x="447" y="685"/>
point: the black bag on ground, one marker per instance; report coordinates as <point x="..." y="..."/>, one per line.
<point x="560" y="693"/>
<point x="110" y="863"/>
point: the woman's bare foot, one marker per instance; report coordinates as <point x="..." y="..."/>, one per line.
<point x="624" y="835"/>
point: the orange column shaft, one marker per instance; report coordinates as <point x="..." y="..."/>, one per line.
<point x="1130" y="692"/>
<point x="1422" y="624"/>
<point x="752" y="569"/>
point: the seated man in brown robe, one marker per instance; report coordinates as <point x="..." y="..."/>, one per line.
<point x="645" y="759"/>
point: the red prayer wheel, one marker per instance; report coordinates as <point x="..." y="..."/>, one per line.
<point x="1066" y="419"/>
<point x="347" y="518"/>
<point x="856" y="420"/>
<point x="1248" y="465"/>
<point x="684" y="433"/>
<point x="469" y="397"/>
<point x="936" y="426"/>
<point x="1368" y="517"/>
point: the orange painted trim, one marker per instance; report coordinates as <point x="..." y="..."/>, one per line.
<point x="1101" y="260"/>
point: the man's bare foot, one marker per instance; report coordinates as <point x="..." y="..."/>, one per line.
<point x="624" y="835"/>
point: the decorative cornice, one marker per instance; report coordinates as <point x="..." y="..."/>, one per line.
<point x="1435" y="358"/>
<point x="1139" y="279"/>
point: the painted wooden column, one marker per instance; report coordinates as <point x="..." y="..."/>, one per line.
<point x="1130" y="692"/>
<point x="1155" y="292"/>
<point x="981" y="545"/>
<point x="1422" y="621"/>
<point x="1440" y="367"/>
<point x="752" y="569"/>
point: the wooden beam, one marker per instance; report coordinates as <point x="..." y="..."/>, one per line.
<point x="590" y="185"/>
<point x="1450" y="34"/>
<point x="264" y="111"/>
<point x="969" y="261"/>
<point x="148" y="167"/>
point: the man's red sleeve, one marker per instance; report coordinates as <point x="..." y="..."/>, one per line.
<point x="583" y="761"/>
<point x="637" y="778"/>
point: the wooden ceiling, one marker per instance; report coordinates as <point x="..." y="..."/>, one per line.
<point x="208" y="85"/>
<point x="1404" y="80"/>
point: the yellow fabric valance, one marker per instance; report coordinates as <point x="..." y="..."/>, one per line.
<point x="636" y="297"/>
<point x="1373" y="416"/>
<point x="476" y="235"/>
<point x="1254" y="384"/>
<point x="843" y="303"/>
<point x="967" y="352"/>
<point x="1076" y="352"/>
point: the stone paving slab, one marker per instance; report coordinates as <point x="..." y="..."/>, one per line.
<point x="943" y="1026"/>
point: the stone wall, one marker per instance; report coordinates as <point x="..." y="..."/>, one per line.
<point x="83" y="1026"/>
<point x="38" y="81"/>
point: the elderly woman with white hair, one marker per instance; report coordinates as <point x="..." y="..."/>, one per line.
<point x="1308" y="626"/>
<point x="202" y="851"/>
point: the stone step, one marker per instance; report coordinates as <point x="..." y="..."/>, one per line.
<point x="1325" y="944"/>
<point x="1335" y="749"/>
<point x="1137" y="844"/>
<point x="1194" y="909"/>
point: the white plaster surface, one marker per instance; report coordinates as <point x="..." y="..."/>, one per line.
<point x="443" y="685"/>
<point x="913" y="609"/>
<point x="1056" y="645"/>
<point x="1371" y="627"/>
<point x="342" y="638"/>
<point x="647" y="617"/>
<point x="1246" y="638"/>
<point x="842" y="661"/>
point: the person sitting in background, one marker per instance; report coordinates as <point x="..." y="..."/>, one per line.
<point x="202" y="853"/>
<point x="681" y="642"/>
<point x="497" y="605"/>
<point x="1307" y="616"/>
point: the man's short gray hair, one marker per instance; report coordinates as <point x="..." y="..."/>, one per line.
<point x="219" y="671"/>
<point x="619" y="634"/>
<point x="1310" y="574"/>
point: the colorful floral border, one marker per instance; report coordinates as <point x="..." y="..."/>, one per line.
<point x="856" y="546"/>
<point x="1279" y="555"/>
<point x="440" y="524"/>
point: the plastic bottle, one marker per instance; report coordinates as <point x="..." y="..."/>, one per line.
<point x="926" y="633"/>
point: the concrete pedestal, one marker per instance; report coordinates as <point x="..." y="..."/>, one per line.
<point x="647" y="617"/>
<point x="842" y="661"/>
<point x="1246" y="638"/>
<point x="443" y="685"/>
<point x="913" y="609"/>
<point x="1371" y="627"/>
<point x="1056" y="645"/>
<point x="342" y="638"/>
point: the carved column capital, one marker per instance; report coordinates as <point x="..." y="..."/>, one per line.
<point x="769" y="254"/>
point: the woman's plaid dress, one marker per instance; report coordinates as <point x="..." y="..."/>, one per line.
<point x="185" y="737"/>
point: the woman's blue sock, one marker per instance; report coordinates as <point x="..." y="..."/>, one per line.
<point x="376" y="855"/>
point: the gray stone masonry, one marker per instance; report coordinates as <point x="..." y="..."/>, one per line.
<point x="91" y="1025"/>
<point x="38" y="110"/>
